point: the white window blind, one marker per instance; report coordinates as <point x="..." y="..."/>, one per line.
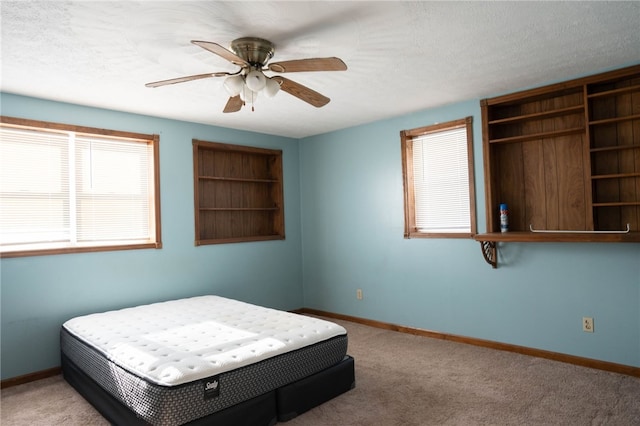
<point x="62" y="190"/>
<point x="34" y="182"/>
<point x="441" y="181"/>
<point x="113" y="190"/>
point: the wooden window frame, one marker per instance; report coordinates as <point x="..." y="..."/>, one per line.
<point x="155" y="237"/>
<point x="406" y="139"/>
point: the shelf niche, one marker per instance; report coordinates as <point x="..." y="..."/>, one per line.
<point x="238" y="193"/>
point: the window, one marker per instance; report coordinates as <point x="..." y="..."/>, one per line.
<point x="238" y="193"/>
<point x="439" y="188"/>
<point x="66" y="189"/>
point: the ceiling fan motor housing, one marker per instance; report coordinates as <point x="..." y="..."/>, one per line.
<point x="256" y="51"/>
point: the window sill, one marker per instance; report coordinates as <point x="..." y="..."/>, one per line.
<point x="78" y="249"/>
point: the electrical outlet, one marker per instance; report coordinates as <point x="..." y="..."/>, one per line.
<point x="587" y="324"/>
<point x="359" y="294"/>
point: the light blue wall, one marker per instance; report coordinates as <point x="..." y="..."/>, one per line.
<point x="344" y="226"/>
<point x="39" y="293"/>
<point x="352" y="227"/>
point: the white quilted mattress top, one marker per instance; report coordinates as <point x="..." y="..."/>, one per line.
<point x="176" y="342"/>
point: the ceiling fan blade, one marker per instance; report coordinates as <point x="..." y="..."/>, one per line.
<point x="187" y="78"/>
<point x="233" y="104"/>
<point x="302" y="92"/>
<point x="311" y="64"/>
<point x="221" y="51"/>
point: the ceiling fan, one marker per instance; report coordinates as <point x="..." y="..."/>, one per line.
<point x="251" y="54"/>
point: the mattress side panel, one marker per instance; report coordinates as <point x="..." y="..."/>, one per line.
<point x="172" y="405"/>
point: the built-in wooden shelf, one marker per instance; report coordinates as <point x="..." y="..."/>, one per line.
<point x="564" y="157"/>
<point x="238" y="193"/>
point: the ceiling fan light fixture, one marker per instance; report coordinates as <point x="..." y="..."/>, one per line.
<point x="233" y="85"/>
<point x="271" y="87"/>
<point x="255" y="80"/>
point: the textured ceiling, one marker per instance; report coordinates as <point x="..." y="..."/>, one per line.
<point x="402" y="56"/>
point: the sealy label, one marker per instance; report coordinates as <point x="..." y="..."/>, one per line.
<point x="211" y="387"/>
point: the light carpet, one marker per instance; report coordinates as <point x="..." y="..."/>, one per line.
<point x="403" y="379"/>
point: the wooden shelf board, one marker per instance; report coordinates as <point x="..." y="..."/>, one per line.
<point x="538" y="115"/>
<point x="616" y="175"/>
<point x="237" y="209"/>
<point x="230" y="179"/>
<point x="617" y="204"/>
<point x="614" y="120"/>
<point x="614" y="92"/>
<point x="614" y="148"/>
<point x="536" y="237"/>
<point x="239" y="239"/>
<point x="541" y="135"/>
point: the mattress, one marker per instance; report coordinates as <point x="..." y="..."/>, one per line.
<point x="176" y="361"/>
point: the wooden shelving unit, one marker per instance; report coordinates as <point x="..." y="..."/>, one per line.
<point x="238" y="193"/>
<point x="613" y="111"/>
<point x="565" y="158"/>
